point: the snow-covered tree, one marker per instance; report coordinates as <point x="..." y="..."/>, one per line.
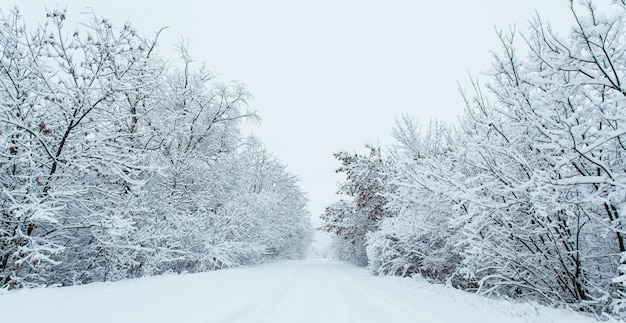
<point x="419" y="238"/>
<point x="265" y="216"/>
<point x="363" y="205"/>
<point x="545" y="153"/>
<point x="24" y="163"/>
<point x="217" y="200"/>
<point x="70" y="104"/>
<point x="194" y="129"/>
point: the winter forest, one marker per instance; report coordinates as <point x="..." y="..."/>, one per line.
<point x="115" y="163"/>
<point x="525" y="197"/>
<point x="118" y="163"/>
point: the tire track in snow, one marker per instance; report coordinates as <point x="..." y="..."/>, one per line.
<point x="324" y="292"/>
<point x="370" y="304"/>
<point x="264" y="298"/>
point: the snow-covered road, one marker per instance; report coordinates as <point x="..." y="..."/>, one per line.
<point x="323" y="291"/>
<point x="296" y="291"/>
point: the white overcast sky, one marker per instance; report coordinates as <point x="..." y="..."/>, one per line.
<point x="329" y="74"/>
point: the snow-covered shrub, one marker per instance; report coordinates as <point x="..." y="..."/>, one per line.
<point x="404" y="246"/>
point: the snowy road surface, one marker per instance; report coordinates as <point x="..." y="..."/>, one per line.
<point x="296" y="291"/>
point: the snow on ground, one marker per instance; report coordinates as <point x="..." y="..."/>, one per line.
<point x="295" y="291"/>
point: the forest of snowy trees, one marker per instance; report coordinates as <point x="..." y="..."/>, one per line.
<point x="525" y="197"/>
<point x="115" y="163"/>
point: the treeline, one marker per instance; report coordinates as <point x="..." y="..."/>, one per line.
<point x="115" y="164"/>
<point x="525" y="197"/>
